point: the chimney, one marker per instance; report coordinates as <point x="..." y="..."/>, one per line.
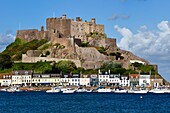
<point x="64" y="16"/>
<point x="78" y="19"/>
<point x="42" y="28"/>
<point x="93" y="20"/>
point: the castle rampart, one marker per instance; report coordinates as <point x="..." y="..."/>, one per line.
<point x="62" y="28"/>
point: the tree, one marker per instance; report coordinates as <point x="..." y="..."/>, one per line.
<point x="5" y="62"/>
<point x="65" y="66"/>
<point x="43" y="67"/>
<point x="110" y="65"/>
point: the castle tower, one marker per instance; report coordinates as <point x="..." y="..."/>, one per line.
<point x="64" y="16"/>
<point x="93" y="20"/>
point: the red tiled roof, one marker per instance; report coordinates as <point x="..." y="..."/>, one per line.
<point x="134" y="75"/>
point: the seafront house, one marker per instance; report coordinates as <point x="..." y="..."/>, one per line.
<point x="85" y="80"/>
<point x="22" y="77"/>
<point x="65" y="79"/>
<point x="134" y="80"/>
<point x="156" y="81"/>
<point x="94" y="80"/>
<point x="5" y="79"/>
<point x="124" y="81"/>
<point x="75" y="80"/>
<point x="144" y="80"/>
<point x="45" y="79"/>
<point x="104" y="78"/>
<point x="114" y="79"/>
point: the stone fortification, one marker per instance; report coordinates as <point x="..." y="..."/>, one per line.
<point x="91" y="58"/>
<point x="62" y="28"/>
<point x="27" y="59"/>
<point x="70" y="34"/>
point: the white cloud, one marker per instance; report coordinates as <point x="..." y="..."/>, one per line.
<point x="151" y="45"/>
<point x="118" y="16"/>
<point x="5" y="40"/>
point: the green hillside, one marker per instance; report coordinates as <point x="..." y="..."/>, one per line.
<point x="20" y="46"/>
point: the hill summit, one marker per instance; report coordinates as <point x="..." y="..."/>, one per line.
<point x="85" y="43"/>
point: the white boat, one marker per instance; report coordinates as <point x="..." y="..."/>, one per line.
<point x="69" y="90"/>
<point x="103" y="90"/>
<point x="120" y="91"/>
<point x="4" y="90"/>
<point x="13" y="89"/>
<point x="80" y="90"/>
<point x="159" y="90"/>
<point x="88" y="90"/>
<point x="54" y="90"/>
<point x="141" y="91"/>
<point x="63" y="89"/>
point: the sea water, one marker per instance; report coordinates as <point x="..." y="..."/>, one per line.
<point x="41" y="102"/>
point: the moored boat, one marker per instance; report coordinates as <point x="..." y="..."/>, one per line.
<point x="54" y="90"/>
<point x="159" y="90"/>
<point x="120" y="90"/>
<point x="69" y="90"/>
<point x="80" y="90"/>
<point x="103" y="89"/>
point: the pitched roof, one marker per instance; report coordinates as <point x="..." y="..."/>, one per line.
<point x="134" y="75"/>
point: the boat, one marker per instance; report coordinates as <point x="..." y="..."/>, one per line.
<point x="120" y="90"/>
<point x="103" y="89"/>
<point x="13" y="89"/>
<point x="80" y="90"/>
<point x="4" y="89"/>
<point x="54" y="90"/>
<point x="88" y="90"/>
<point x="69" y="90"/>
<point x="140" y="91"/>
<point x="159" y="90"/>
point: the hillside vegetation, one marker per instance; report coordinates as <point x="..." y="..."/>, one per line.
<point x="20" y="46"/>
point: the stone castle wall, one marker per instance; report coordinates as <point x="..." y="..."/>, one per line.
<point x="26" y="59"/>
<point x="63" y="27"/>
<point x="91" y="58"/>
<point x="28" y="34"/>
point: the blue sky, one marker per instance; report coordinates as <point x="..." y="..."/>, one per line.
<point x="140" y="26"/>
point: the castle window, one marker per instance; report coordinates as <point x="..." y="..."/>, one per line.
<point x="54" y="30"/>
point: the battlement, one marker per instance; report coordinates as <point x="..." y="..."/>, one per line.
<point x="62" y="27"/>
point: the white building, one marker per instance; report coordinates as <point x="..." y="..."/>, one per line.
<point x="114" y="79"/>
<point x="22" y="77"/>
<point x="75" y="80"/>
<point x="138" y="61"/>
<point x="85" y="80"/>
<point x="46" y="79"/>
<point x="65" y="80"/>
<point x="104" y="78"/>
<point x="144" y="80"/>
<point x="124" y="81"/>
<point x="5" y="79"/>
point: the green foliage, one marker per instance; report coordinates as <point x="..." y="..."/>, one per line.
<point x="43" y="67"/>
<point x="144" y="68"/>
<point x="90" y="71"/>
<point x="47" y="53"/>
<point x="20" y="46"/>
<point x="6" y="70"/>
<point x="46" y="46"/>
<point x="110" y="65"/>
<point x="96" y="34"/>
<point x="65" y="66"/>
<point x="136" y="64"/>
<point x="102" y="50"/>
<point x="5" y="62"/>
<point x="117" y="54"/>
<point x="39" y="67"/>
<point x="84" y="44"/>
